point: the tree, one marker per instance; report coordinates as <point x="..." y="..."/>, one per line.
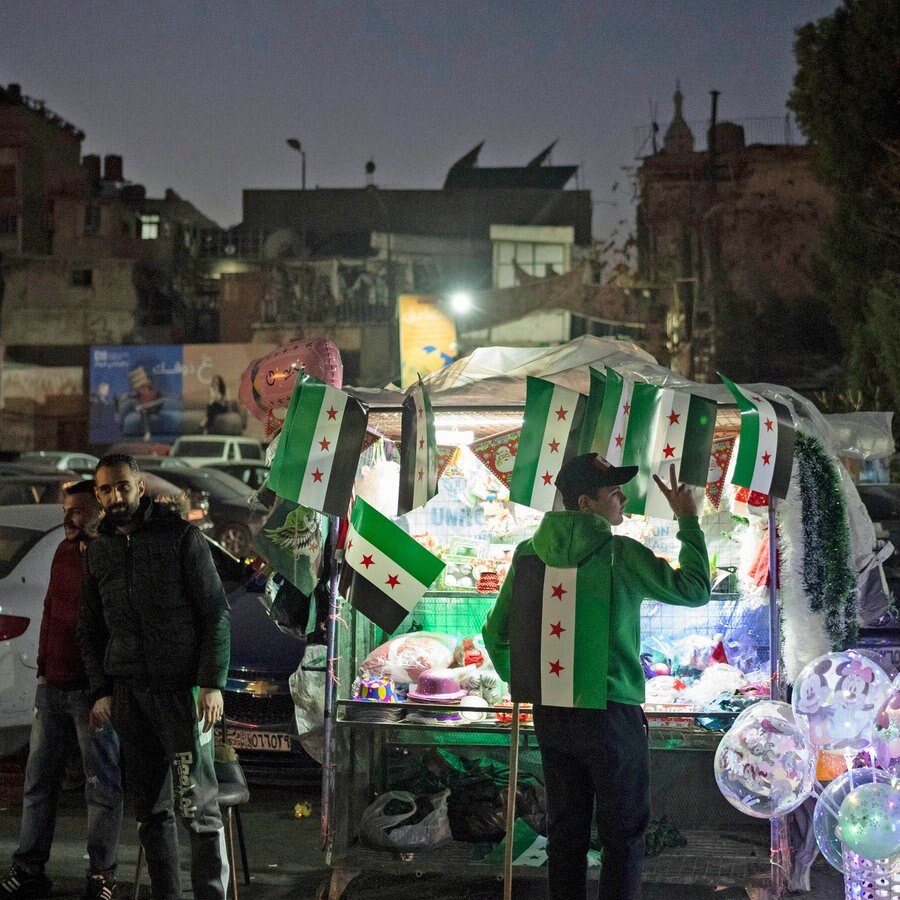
<point x="846" y="97"/>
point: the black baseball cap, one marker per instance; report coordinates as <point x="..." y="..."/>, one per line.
<point x="586" y="473"/>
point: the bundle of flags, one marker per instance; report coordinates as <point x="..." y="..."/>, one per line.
<point x="418" y="450"/>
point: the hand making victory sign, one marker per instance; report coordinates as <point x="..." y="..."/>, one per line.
<point x="680" y="496"/>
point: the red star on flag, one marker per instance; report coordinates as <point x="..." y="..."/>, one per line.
<point x="674" y="417"/>
<point x="757" y="399"/>
<point x="556" y="668"/>
<point x="393" y="581"/>
<point x="332" y="413"/>
<point x="325" y="444"/>
<point x="558" y="591"/>
<point x="626" y="409"/>
<point x="556" y="630"/>
<point x="420" y="411"/>
<point x="547" y="478"/>
<point x="554" y="446"/>
<point x="421" y="474"/>
<point x="619" y="439"/>
<point x="421" y="443"/>
<point x="349" y="544"/>
<point x="561" y="414"/>
<point x="766" y="458"/>
<point x="769" y="423"/>
<point x="367" y="561"/>
<point x="317" y="475"/>
<point x="668" y="450"/>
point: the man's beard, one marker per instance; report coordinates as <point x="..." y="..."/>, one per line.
<point x="120" y="514"/>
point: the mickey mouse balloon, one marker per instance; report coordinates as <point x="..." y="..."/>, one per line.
<point x="837" y="696"/>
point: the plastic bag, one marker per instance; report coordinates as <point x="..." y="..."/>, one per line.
<point x="384" y="830"/>
<point x="308" y="693"/>
<point x="405" y="657"/>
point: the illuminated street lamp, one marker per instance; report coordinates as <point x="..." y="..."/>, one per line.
<point x="294" y="144"/>
<point x="461" y="302"/>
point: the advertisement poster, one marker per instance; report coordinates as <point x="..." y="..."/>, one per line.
<point x="427" y="337"/>
<point x="155" y="393"/>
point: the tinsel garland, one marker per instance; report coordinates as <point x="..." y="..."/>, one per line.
<point x="828" y="578"/>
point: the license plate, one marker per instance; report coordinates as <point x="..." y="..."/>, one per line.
<point x="259" y="740"/>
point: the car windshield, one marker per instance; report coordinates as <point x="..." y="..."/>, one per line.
<point x="250" y="451"/>
<point x="14" y="544"/>
<point x="37" y="456"/>
<point x="200" y="448"/>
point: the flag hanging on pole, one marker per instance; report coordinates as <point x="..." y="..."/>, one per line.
<point x="549" y="438"/>
<point x="612" y="424"/>
<point x="765" y="451"/>
<point x="386" y="572"/>
<point x="319" y="446"/>
<point x="418" y="450"/>
<point x="592" y="411"/>
<point x="666" y="427"/>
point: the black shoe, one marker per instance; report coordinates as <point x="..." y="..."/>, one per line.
<point x="99" y="888"/>
<point x="17" y="882"/>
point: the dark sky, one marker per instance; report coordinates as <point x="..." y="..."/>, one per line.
<point x="200" y="96"/>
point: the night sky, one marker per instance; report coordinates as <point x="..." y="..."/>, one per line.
<point x="201" y="96"/>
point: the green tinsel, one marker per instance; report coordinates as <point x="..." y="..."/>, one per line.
<point x="828" y="579"/>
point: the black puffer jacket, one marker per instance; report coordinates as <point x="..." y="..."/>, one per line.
<point x="154" y="610"/>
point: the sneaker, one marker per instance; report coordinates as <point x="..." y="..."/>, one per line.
<point x="18" y="882"/>
<point x="99" y="888"/>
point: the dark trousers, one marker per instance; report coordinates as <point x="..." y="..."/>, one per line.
<point x="595" y="758"/>
<point x="169" y="770"/>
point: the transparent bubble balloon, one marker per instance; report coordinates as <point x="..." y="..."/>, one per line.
<point x="837" y="696"/>
<point x="828" y="807"/>
<point x="764" y="765"/>
<point x="869" y="820"/>
<point x="886" y="743"/>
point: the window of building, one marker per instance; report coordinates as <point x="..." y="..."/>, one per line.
<point x="81" y="276"/>
<point x="533" y="258"/>
<point x="9" y="223"/>
<point x="7" y="181"/>
<point x="92" y="219"/>
<point x="150" y="226"/>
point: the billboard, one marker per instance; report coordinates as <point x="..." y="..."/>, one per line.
<point x="157" y="392"/>
<point x="427" y="337"/>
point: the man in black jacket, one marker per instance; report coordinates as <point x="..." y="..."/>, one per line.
<point x="154" y="635"/>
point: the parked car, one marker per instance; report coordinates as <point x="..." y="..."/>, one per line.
<point x="60" y="459"/>
<point x="201" y="449"/>
<point x="48" y="488"/>
<point x="258" y="705"/>
<point x="233" y="508"/>
<point x="252" y="474"/>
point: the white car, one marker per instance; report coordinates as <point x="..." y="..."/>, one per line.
<point x="29" y="536"/>
<point x="203" y="449"/>
<point x="59" y="459"/>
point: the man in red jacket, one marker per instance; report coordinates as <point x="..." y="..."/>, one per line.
<point x="62" y="718"/>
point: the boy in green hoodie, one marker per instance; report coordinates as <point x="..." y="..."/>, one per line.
<point x="565" y="634"/>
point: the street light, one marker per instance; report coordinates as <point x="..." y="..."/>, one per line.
<point x="461" y="302"/>
<point x="294" y="144"/>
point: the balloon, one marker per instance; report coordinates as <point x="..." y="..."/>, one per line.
<point x="869" y="820"/>
<point x="887" y="730"/>
<point x="764" y="765"/>
<point x="837" y="696"/>
<point x="268" y="382"/>
<point x="828" y="807"/>
<point x="830" y="766"/>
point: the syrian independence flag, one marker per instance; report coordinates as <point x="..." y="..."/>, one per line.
<point x="558" y="637"/>
<point x="614" y="421"/>
<point x="675" y="427"/>
<point x="418" y="451"/>
<point x="765" y="451"/>
<point x="386" y="571"/>
<point x="319" y="447"/>
<point x="592" y="411"/>
<point x="549" y="438"/>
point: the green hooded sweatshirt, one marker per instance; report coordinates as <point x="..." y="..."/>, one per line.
<point x="616" y="574"/>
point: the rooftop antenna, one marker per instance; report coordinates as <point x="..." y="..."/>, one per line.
<point x="370" y="172"/>
<point x="654" y="125"/>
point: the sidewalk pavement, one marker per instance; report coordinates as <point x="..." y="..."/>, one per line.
<point x="286" y="861"/>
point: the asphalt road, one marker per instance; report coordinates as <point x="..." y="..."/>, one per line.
<point x="286" y="861"/>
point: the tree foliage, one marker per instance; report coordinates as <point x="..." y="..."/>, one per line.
<point x="846" y="97"/>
